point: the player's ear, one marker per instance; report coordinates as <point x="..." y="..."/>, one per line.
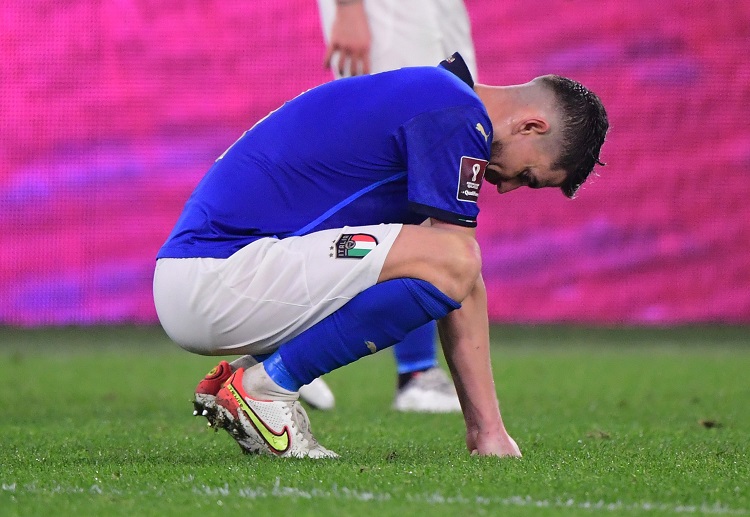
<point x="531" y="125"/>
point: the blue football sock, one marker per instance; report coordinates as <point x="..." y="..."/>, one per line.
<point x="277" y="371"/>
<point x="376" y="318"/>
<point x="417" y="351"/>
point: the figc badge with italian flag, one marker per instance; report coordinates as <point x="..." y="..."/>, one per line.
<point x="355" y="245"/>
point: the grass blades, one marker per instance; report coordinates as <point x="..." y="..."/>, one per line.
<point x="97" y="421"/>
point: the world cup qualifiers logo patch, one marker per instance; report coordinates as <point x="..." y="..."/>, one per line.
<point x="470" y="178"/>
<point x="355" y="245"/>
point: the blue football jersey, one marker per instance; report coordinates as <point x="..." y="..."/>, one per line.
<point x="393" y="147"/>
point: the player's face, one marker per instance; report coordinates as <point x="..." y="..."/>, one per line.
<point x="521" y="164"/>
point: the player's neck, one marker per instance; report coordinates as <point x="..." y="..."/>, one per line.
<point x="501" y="102"/>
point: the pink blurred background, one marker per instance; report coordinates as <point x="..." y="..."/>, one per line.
<point x="110" y="112"/>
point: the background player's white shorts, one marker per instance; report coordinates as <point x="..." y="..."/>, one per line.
<point x="411" y="32"/>
<point x="269" y="291"/>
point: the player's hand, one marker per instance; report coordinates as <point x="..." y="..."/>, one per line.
<point x="350" y="41"/>
<point x="492" y="444"/>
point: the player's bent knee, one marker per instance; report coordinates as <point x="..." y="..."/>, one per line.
<point x="449" y="260"/>
<point x="464" y="265"/>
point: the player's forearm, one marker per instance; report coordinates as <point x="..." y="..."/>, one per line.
<point x="465" y="337"/>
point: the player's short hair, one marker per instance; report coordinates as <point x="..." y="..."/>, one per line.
<point x="585" y="126"/>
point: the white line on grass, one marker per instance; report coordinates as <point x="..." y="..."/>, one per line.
<point x="278" y="491"/>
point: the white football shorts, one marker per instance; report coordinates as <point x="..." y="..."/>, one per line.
<point x="269" y="291"/>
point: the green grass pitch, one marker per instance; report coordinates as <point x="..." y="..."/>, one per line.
<point x="97" y="421"/>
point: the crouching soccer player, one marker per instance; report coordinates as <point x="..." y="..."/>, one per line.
<point x="346" y="219"/>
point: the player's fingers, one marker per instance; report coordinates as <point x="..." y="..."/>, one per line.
<point x="358" y="64"/>
<point x="366" y="63"/>
<point x="329" y="55"/>
<point x="343" y="60"/>
<point x="363" y="56"/>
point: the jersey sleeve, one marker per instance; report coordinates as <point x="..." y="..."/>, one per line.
<point x="447" y="152"/>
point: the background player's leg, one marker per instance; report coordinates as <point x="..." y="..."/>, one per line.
<point x="422" y="385"/>
<point x="417" y="352"/>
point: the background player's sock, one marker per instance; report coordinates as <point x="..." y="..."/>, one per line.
<point x="377" y="318"/>
<point x="416" y="353"/>
<point x="405" y="378"/>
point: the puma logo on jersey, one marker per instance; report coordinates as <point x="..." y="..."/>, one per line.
<point x="480" y="128"/>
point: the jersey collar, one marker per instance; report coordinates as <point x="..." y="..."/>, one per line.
<point x="457" y="66"/>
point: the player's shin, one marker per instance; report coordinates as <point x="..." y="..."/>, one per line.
<point x="375" y="319"/>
